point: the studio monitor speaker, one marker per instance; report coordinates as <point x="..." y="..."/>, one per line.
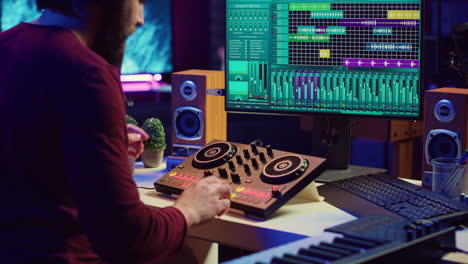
<point x="197" y="107"/>
<point x="445" y="126"/>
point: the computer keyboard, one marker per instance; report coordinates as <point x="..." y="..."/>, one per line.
<point x="382" y="194"/>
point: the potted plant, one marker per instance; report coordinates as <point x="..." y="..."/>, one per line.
<point x="154" y="147"/>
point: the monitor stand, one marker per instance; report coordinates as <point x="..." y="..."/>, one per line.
<point x="335" y="140"/>
<point x="335" y="146"/>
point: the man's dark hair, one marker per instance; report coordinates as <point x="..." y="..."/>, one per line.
<point x="62" y="6"/>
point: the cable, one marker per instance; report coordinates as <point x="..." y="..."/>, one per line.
<point x="145" y="188"/>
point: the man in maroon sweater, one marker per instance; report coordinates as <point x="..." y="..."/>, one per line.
<point x="67" y="193"/>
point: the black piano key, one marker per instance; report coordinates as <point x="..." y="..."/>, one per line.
<point x="285" y="260"/>
<point x="354" y="242"/>
<point x="319" y="253"/>
<point x="338" y="252"/>
<point x="333" y="248"/>
<point x="305" y="258"/>
<point x="347" y="247"/>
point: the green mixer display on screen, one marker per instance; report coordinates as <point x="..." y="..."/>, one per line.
<point x="336" y="57"/>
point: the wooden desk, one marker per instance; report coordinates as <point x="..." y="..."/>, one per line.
<point x="295" y="220"/>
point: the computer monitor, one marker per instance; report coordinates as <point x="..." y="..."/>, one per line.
<point x="329" y="58"/>
<point x="149" y="49"/>
<point x="337" y="57"/>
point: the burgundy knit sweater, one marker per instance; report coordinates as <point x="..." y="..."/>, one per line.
<point x="66" y="190"/>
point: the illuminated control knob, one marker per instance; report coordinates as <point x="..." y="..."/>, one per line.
<point x="231" y="165"/>
<point x="275" y="192"/>
<point x="413" y="230"/>
<point x="410" y="234"/>
<point x="247" y="169"/>
<point x="246" y="154"/>
<point x="262" y="157"/>
<point x="419" y="231"/>
<point x="254" y="148"/>
<point x="235" y="178"/>
<point x="239" y="159"/>
<point x="223" y="173"/>
<point x="255" y="163"/>
<point x="269" y="151"/>
<point x="426" y="225"/>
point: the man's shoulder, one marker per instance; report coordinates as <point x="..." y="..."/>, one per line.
<point x="55" y="45"/>
<point x="67" y="48"/>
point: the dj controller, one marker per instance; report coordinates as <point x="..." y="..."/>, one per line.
<point x="262" y="179"/>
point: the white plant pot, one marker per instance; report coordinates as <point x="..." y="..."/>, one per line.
<point x="152" y="159"/>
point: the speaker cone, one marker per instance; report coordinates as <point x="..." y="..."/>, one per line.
<point x="442" y="143"/>
<point x="188" y="123"/>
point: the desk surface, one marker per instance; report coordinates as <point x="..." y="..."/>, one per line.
<point x="296" y="219"/>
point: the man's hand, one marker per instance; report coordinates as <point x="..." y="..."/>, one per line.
<point x="204" y="200"/>
<point x="136" y="136"/>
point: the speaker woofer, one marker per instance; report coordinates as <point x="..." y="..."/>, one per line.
<point x="188" y="123"/>
<point x="442" y="143"/>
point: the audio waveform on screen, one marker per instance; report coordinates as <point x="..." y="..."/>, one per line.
<point x="342" y="90"/>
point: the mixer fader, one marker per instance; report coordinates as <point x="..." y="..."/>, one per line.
<point x="262" y="179"/>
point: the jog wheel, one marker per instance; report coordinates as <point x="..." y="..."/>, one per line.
<point x="213" y="155"/>
<point x="284" y="169"/>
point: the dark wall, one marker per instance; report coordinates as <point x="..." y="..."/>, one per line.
<point x="191" y="34"/>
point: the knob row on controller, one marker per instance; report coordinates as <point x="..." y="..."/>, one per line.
<point x="256" y="152"/>
<point x="247" y="166"/>
<point x="420" y="228"/>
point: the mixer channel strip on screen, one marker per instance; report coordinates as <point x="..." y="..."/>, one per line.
<point x="351" y="57"/>
<point x="262" y="179"/>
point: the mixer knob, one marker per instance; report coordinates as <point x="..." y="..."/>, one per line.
<point x="426" y="225"/>
<point x="254" y="148"/>
<point x="413" y="230"/>
<point x="410" y="234"/>
<point x="262" y="157"/>
<point x="223" y="173"/>
<point x="246" y="154"/>
<point x="247" y="169"/>
<point x="255" y="163"/>
<point x="207" y="173"/>
<point x="275" y="192"/>
<point x="269" y="151"/>
<point x="231" y="165"/>
<point x="235" y="178"/>
<point x="239" y="159"/>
